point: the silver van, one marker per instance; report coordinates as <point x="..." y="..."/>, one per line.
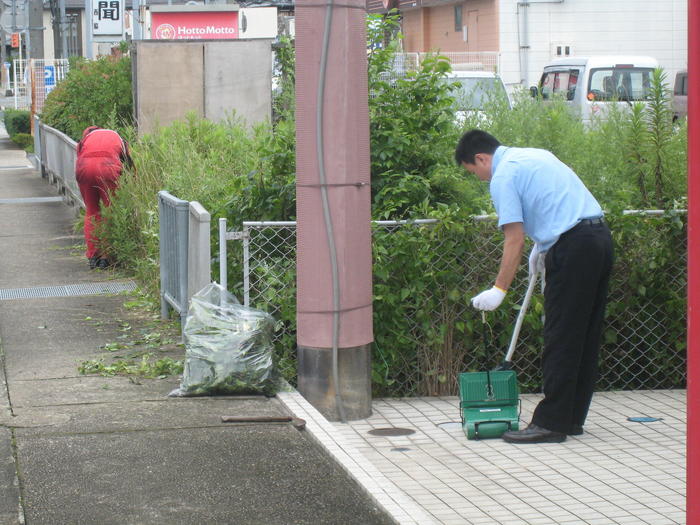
<point x="680" y="95"/>
<point x="592" y="84"/>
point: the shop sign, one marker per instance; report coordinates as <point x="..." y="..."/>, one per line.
<point x="207" y="25"/>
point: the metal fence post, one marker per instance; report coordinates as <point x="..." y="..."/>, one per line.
<point x="246" y="265"/>
<point x="199" y="249"/>
<point x="164" y="268"/>
<point x="223" y="272"/>
<point x="182" y="221"/>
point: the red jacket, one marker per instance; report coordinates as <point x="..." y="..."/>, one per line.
<point x="101" y="153"/>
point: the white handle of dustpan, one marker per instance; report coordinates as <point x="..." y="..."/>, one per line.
<point x="521" y="316"/>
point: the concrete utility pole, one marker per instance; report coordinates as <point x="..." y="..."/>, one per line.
<point x="334" y="259"/>
<point x="88" y="29"/>
<point x="36" y="29"/>
<point x="3" y="58"/>
<point x="63" y="28"/>
<point x="136" y="19"/>
<point x="60" y="28"/>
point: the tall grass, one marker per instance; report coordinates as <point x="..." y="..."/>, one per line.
<point x="194" y="160"/>
<point x="633" y="159"/>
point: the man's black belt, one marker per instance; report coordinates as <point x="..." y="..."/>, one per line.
<point x="597" y="220"/>
<point x="585" y="222"/>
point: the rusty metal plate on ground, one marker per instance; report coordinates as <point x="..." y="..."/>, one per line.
<point x="391" y="431"/>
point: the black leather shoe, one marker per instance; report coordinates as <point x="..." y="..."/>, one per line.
<point x="533" y="434"/>
<point x="576" y="430"/>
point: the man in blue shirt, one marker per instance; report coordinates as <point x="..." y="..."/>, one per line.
<point x="537" y="195"/>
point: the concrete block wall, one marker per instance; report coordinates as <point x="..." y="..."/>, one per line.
<point x="214" y="79"/>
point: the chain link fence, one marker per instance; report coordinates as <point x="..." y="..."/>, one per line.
<point x="426" y="332"/>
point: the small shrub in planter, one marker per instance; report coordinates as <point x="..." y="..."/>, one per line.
<point x="24" y="141"/>
<point x="17" y="121"/>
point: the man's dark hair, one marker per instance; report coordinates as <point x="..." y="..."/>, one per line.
<point x="473" y="142"/>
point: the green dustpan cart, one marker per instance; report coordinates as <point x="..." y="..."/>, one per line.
<point x="489" y="403"/>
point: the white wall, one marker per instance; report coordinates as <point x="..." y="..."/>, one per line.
<point x="260" y="22"/>
<point x="657" y="28"/>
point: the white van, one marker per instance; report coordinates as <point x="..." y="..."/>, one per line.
<point x="592" y="84"/>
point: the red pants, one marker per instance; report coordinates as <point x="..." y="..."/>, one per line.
<point x="97" y="178"/>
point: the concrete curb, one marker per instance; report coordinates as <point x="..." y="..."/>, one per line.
<point x="11" y="461"/>
<point x="402" y="509"/>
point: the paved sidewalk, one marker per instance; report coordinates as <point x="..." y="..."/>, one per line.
<point x="86" y="449"/>
<point x="618" y="472"/>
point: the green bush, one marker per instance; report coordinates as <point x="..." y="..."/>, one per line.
<point x="17" y="121"/>
<point x="18" y="126"/>
<point x="214" y="164"/>
<point x="95" y="92"/>
<point x="423" y="332"/>
<point x="283" y="95"/>
<point x="24" y="141"/>
<point x="412" y="134"/>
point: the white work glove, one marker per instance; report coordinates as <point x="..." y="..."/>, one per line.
<point x="536" y="261"/>
<point x="489" y="299"/>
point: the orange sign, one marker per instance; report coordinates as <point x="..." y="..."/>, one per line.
<point x="14" y="41"/>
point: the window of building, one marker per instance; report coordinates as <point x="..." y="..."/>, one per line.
<point x="458" y="18"/>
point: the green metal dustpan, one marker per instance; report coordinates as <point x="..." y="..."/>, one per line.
<point x="490" y="401"/>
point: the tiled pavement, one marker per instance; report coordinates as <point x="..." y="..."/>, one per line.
<point x="617" y="472"/>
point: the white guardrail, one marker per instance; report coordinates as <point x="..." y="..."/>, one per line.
<point x="185" y="251"/>
<point x="55" y="152"/>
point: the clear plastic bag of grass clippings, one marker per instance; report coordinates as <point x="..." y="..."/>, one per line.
<point x="228" y="347"/>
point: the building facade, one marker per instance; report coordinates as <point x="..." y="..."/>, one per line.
<point x="529" y="33"/>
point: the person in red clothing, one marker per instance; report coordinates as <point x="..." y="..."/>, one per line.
<point x="102" y="155"/>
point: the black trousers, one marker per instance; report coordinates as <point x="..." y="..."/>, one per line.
<point x="577" y="273"/>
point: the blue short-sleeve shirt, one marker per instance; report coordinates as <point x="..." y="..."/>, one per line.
<point x="532" y="186"/>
